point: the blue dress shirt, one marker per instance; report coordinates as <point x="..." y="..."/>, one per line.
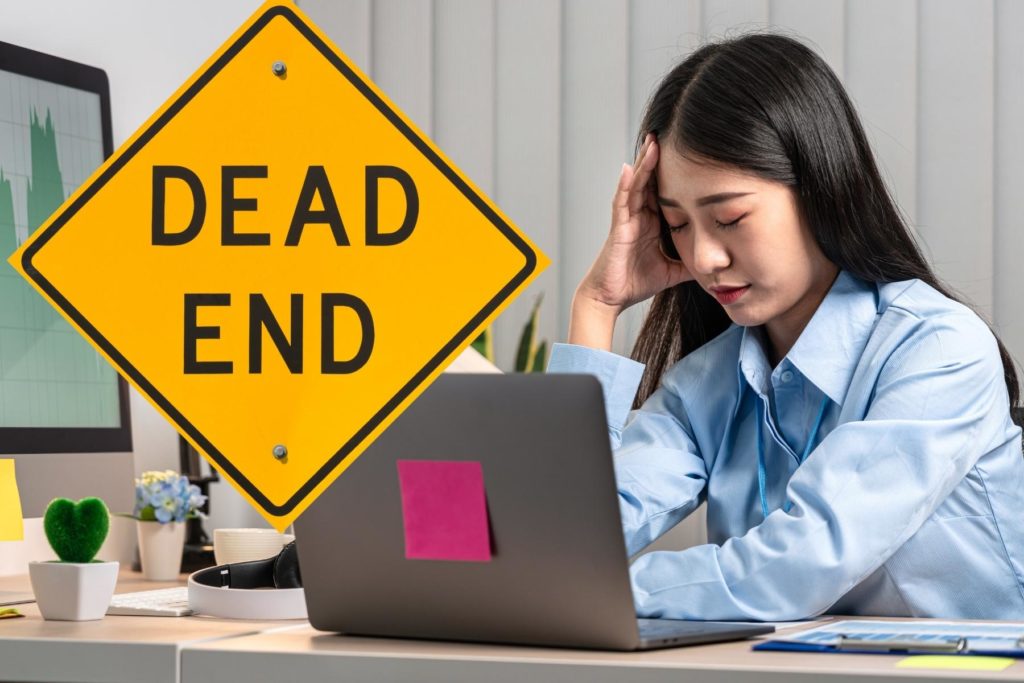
<point x="910" y="502"/>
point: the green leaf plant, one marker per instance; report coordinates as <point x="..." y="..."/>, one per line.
<point x="531" y="355"/>
<point x="76" y="530"/>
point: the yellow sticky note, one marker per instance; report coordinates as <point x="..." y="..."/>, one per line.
<point x="11" y="528"/>
<point x="958" y="662"/>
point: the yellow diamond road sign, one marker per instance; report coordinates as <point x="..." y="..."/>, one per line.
<point x="279" y="261"/>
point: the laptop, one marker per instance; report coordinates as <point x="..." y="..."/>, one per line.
<point x="558" y="570"/>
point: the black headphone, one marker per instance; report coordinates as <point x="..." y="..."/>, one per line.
<point x="280" y="571"/>
<point x="225" y="590"/>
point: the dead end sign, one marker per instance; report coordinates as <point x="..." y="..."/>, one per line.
<point x="279" y="261"/>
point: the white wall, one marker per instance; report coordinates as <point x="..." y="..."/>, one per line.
<point x="538" y="100"/>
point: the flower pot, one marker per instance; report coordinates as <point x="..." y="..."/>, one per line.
<point x="160" y="549"/>
<point x="70" y="591"/>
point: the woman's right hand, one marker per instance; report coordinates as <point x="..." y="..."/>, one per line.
<point x="631" y="266"/>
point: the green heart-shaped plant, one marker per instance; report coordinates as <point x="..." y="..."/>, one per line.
<point x="76" y="530"/>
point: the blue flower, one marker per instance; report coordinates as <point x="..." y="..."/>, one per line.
<point x="166" y="496"/>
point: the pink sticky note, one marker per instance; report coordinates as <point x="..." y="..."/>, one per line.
<point x="444" y="510"/>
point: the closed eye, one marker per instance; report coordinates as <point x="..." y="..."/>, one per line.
<point x="731" y="225"/>
<point x="677" y="228"/>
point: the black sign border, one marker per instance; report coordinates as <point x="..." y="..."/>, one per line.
<point x="346" y="449"/>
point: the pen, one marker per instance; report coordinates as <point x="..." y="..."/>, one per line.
<point x="954" y="644"/>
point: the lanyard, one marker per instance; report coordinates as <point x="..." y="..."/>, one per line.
<point x="761" y="473"/>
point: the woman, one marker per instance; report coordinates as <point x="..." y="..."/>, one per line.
<point x="846" y="420"/>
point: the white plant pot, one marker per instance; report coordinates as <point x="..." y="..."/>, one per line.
<point x="72" y="591"/>
<point x="160" y="549"/>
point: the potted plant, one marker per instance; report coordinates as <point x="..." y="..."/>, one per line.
<point x="163" y="501"/>
<point x="77" y="587"/>
<point x="531" y="356"/>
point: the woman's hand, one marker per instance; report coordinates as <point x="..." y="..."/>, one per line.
<point x="630" y="267"/>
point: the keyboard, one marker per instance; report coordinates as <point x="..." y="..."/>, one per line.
<point x="162" y="602"/>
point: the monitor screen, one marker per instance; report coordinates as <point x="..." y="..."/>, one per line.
<point x="56" y="392"/>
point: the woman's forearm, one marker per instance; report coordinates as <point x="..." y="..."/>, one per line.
<point x="591" y="322"/>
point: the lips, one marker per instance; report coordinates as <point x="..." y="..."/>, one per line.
<point x="727" y="295"/>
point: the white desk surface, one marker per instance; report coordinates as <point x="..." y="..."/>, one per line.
<point x="111" y="650"/>
<point x="208" y="650"/>
<point x="301" y="653"/>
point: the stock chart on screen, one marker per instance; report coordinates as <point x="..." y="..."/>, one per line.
<point x="50" y="142"/>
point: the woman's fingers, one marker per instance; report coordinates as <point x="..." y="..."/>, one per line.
<point x="652" y="195"/>
<point x="643" y="174"/>
<point x="620" y="202"/>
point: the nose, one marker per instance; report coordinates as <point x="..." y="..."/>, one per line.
<point x="709" y="253"/>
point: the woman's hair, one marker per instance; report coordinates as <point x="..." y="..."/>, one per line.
<point x="768" y="105"/>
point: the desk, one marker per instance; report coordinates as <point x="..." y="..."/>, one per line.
<point x="302" y="654"/>
<point x="111" y="650"/>
<point x="208" y="650"/>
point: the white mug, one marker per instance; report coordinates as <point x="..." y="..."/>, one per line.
<point x="244" y="545"/>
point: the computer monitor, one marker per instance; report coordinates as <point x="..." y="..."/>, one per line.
<point x="64" y="410"/>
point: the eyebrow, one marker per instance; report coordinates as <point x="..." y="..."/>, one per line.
<point x="704" y="201"/>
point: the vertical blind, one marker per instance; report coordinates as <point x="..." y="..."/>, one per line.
<point x="538" y="102"/>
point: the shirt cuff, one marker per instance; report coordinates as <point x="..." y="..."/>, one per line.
<point x="619" y="376"/>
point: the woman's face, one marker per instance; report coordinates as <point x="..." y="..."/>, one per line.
<point x="743" y="240"/>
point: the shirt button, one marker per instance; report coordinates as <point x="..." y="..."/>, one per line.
<point x="786" y="376"/>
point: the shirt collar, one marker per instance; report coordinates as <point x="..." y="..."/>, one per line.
<point x="828" y="349"/>
<point x="754" y="365"/>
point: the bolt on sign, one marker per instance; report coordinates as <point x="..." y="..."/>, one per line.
<point x="279" y="261"/>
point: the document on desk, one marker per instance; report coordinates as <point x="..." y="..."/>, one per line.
<point x="902" y="637"/>
<point x="8" y="598"/>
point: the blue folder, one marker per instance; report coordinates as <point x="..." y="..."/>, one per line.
<point x="918" y="637"/>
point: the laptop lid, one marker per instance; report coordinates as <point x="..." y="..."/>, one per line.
<point x="558" y="573"/>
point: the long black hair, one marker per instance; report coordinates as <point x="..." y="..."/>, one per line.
<point x="769" y="106"/>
